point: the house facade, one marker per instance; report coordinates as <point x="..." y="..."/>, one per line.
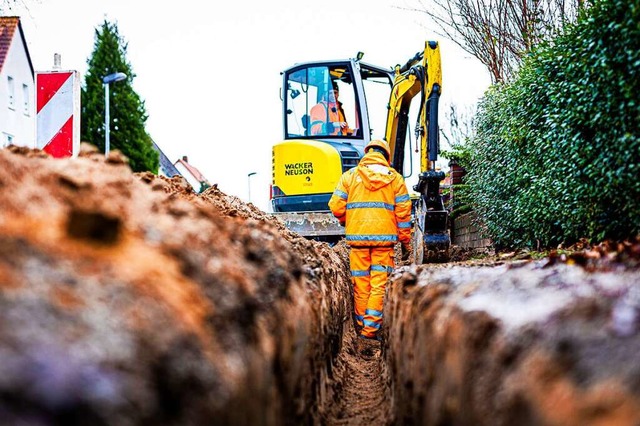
<point x="17" y="86"/>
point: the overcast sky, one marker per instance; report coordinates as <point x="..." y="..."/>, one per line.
<point x="209" y="72"/>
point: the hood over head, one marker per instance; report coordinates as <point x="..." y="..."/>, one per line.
<point x="374" y="170"/>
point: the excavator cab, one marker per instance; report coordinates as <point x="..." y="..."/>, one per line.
<point x="321" y="102"/>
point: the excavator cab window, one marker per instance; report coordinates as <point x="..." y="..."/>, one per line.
<point x="377" y="87"/>
<point x="321" y="102"/>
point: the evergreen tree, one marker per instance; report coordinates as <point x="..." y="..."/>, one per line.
<point x="127" y="111"/>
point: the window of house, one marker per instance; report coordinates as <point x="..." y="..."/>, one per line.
<point x="12" y="94"/>
<point x="7" y="139"/>
<point x="25" y="97"/>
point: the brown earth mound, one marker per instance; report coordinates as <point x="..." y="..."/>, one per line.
<point x="527" y="343"/>
<point x="128" y="299"/>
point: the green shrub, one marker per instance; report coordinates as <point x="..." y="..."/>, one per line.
<point x="556" y="155"/>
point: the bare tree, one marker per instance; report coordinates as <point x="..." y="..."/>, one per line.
<point x="460" y="125"/>
<point x="499" y="32"/>
<point x="9" y="6"/>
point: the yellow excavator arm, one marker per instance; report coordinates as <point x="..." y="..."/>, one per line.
<point x="422" y="75"/>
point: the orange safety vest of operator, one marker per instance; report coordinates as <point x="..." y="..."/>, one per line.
<point x="327" y="118"/>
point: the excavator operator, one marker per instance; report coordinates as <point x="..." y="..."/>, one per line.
<point x="372" y="201"/>
<point x="327" y="117"/>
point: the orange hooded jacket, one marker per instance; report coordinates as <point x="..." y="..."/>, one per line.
<point x="372" y="200"/>
<point x="326" y="118"/>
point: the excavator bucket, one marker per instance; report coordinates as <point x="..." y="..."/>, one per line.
<point x="431" y="236"/>
<point x="430" y="245"/>
<point x="436" y="246"/>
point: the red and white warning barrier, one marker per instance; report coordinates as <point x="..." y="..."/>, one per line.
<point x="58" y="112"/>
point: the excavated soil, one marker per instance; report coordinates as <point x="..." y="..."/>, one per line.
<point x="127" y="299"/>
<point x="548" y="342"/>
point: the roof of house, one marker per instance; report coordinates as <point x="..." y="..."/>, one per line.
<point x="8" y="27"/>
<point x="166" y="164"/>
<point x="195" y="172"/>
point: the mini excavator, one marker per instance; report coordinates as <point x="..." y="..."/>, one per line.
<point x="330" y="110"/>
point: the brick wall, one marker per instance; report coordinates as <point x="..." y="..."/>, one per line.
<point x="457" y="172"/>
<point x="467" y="234"/>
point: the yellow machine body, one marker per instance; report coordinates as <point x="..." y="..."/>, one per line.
<point x="305" y="167"/>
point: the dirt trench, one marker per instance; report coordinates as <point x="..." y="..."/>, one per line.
<point x="127" y="299"/>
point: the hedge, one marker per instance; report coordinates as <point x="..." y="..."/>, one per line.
<point x="556" y="154"/>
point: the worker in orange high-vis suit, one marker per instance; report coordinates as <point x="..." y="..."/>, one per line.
<point x="372" y="201"/>
<point x="327" y="117"/>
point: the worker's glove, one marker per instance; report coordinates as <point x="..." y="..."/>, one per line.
<point x="406" y="252"/>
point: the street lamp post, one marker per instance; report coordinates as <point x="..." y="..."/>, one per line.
<point x="249" y="182"/>
<point x="106" y="81"/>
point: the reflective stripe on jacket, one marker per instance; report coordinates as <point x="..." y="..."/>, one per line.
<point x="372" y="201"/>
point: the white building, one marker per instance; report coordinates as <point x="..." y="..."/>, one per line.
<point x="17" y="86"/>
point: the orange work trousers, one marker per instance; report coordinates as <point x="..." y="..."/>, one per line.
<point x="370" y="268"/>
